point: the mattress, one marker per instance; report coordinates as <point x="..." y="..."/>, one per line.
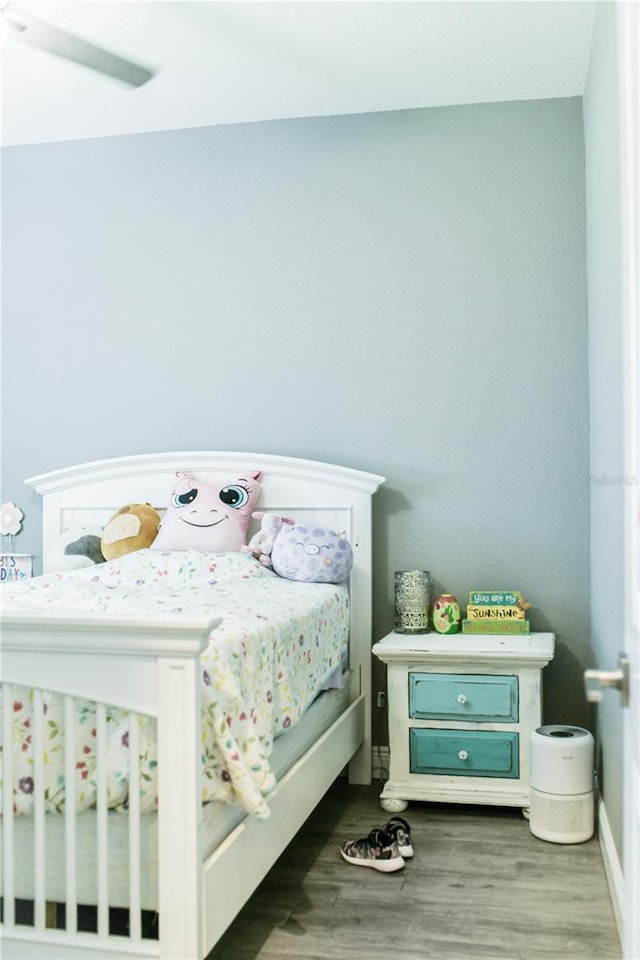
<point x="280" y="643"/>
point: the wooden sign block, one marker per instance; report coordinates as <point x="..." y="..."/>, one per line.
<point x="495" y="597"/>
<point x="478" y="612"/>
<point x="496" y="627"/>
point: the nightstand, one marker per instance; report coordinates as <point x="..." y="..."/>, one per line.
<point x="461" y="713"/>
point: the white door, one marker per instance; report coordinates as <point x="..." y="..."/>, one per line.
<point x="627" y="678"/>
<point x="629" y="39"/>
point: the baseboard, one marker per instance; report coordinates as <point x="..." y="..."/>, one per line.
<point x="612" y="867"/>
<point x="380" y="763"/>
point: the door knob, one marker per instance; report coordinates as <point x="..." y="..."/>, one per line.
<point x="597" y="680"/>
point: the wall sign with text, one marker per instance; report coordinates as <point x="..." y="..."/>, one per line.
<point x="14" y="566"/>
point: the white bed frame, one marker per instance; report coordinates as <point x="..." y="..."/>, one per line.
<point x="152" y="667"/>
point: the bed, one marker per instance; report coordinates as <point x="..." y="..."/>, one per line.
<point x="165" y="878"/>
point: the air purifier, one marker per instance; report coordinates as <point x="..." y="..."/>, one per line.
<point x="561" y="784"/>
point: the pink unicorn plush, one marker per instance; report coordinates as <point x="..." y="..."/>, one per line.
<point x="208" y="516"/>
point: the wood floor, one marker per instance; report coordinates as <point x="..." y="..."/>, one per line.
<point x="480" y="887"/>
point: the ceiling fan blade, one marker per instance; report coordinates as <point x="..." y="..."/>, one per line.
<point x="37" y="33"/>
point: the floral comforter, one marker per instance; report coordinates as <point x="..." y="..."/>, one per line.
<point x="279" y="644"/>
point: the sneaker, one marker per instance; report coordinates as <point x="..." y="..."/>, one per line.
<point x="399" y="832"/>
<point x="377" y="851"/>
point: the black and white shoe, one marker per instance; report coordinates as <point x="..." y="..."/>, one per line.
<point x="399" y="832"/>
<point x="377" y="851"/>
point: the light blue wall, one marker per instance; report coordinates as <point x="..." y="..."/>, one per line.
<point x="401" y="292"/>
<point x="601" y="104"/>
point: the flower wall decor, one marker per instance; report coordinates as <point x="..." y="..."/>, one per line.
<point x="13" y="566"/>
<point x="10" y="519"/>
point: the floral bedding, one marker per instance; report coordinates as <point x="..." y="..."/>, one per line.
<point x="279" y="644"/>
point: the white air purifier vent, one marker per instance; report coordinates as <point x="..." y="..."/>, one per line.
<point x="562" y="800"/>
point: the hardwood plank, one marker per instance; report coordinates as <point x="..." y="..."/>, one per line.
<point x="480" y="887"/>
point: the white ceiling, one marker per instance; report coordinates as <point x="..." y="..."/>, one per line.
<point x="229" y="62"/>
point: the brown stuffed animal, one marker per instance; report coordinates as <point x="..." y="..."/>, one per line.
<point x="132" y="527"/>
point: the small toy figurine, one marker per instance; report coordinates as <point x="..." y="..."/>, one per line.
<point x="261" y="543"/>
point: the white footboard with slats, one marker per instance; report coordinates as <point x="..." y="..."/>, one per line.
<point x="84" y="658"/>
<point x="178" y="904"/>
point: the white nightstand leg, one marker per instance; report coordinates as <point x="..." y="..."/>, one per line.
<point x="391" y="805"/>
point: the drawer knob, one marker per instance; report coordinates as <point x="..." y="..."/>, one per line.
<point x="462" y="698"/>
<point x="463" y="755"/>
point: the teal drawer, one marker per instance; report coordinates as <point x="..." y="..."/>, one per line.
<point x="448" y="696"/>
<point x="464" y="753"/>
